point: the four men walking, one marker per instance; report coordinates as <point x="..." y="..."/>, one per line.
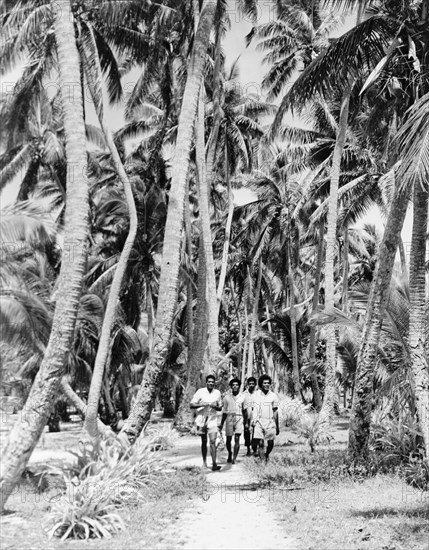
<point x="254" y="412"/>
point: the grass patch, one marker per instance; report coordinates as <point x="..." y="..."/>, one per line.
<point x="145" y="523"/>
<point x="380" y="513"/>
<point x="326" y="503"/>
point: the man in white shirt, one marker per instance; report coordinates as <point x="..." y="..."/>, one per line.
<point x="207" y="401"/>
<point x="265" y="419"/>
<point x="233" y="416"/>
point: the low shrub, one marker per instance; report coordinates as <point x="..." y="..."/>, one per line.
<point x="416" y="472"/>
<point x="291" y="411"/>
<point x="104" y="481"/>
<point x="163" y="438"/>
<point x="313" y="430"/>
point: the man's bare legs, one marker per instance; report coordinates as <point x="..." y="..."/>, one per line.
<point x="204" y="449"/>
<point x="236" y="447"/>
<point x="213" y="449"/>
<point x="270" y="446"/>
<point x="255" y="446"/>
<point x="228" y="447"/>
<point x="212" y="438"/>
<point x="232" y="458"/>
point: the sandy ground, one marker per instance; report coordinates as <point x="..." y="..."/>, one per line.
<point x="232" y="512"/>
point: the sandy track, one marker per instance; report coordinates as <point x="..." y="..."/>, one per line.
<point x="232" y="512"/>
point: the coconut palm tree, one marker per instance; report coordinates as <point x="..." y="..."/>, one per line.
<point x="24" y="435"/>
<point x="404" y="19"/>
<point x="37" y="147"/>
<point x="172" y="239"/>
<point x="416" y="163"/>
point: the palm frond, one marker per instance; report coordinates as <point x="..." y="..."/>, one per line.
<point x="357" y="50"/>
<point x="413" y="142"/>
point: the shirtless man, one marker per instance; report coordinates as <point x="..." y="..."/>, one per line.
<point x="248" y="405"/>
<point x="207" y="401"/>
<point x="233" y="416"/>
<point x="265" y="419"/>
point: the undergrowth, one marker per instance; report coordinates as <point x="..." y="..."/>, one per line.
<point x="395" y="447"/>
<point x="103" y="482"/>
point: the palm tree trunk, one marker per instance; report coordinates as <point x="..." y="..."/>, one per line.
<point x="403" y="257"/>
<point x="271" y="365"/>
<point x="189" y="285"/>
<point x="331" y="238"/>
<point x="240" y="329"/>
<point x="363" y="386"/>
<point x="294" y="342"/>
<point x="419" y="359"/>
<point x="170" y="265"/>
<point x="80" y="406"/>
<point x="245" y="347"/>
<point x="217" y="112"/>
<point x="26" y="432"/>
<point x="224" y="265"/>
<point x="312" y="345"/>
<point x="150" y="315"/>
<point x="90" y="424"/>
<point x="345" y="292"/>
<point x="204" y="208"/>
<point x="254" y="320"/>
<point x="184" y="416"/>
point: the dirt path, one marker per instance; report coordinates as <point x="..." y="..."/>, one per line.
<point x="232" y="512"/>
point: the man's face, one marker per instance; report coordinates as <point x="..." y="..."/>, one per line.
<point x="266" y="385"/>
<point x="251" y="386"/>
<point x="235" y="386"/>
<point x="210" y="383"/>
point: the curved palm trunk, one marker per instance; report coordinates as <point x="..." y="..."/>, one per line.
<point x="360" y="420"/>
<point x="419" y="359"/>
<point x="81" y="406"/>
<point x="254" y="321"/>
<point x="90" y="424"/>
<point x="331" y="238"/>
<point x="203" y="200"/>
<point x="168" y="287"/>
<point x="26" y="432"/>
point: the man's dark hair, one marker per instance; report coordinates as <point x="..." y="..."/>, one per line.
<point x="210" y="376"/>
<point x="251" y="379"/>
<point x="263" y="378"/>
<point x="235" y="380"/>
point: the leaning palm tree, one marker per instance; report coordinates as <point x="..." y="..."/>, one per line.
<point x="24" y="435"/>
<point x="405" y="20"/>
<point x="172" y="239"/>
<point x="93" y="72"/>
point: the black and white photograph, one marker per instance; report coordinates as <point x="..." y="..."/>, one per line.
<point x="214" y="275"/>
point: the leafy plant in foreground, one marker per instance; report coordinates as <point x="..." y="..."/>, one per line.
<point x="99" y="486"/>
